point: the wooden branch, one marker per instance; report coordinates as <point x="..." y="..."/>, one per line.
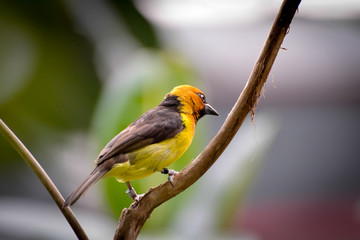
<point x="44" y="178"/>
<point x="133" y="218"/>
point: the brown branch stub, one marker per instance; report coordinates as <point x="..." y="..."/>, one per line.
<point x="132" y="219"/>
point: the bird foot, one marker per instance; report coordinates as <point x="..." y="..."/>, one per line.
<point x="171" y="173"/>
<point x="133" y="195"/>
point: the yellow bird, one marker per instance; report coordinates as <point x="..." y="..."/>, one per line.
<point x="151" y="143"/>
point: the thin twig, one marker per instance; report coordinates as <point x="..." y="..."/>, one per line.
<point x="44" y="178"/>
<point x="133" y="218"/>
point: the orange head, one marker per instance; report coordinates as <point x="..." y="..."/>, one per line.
<point x="189" y="100"/>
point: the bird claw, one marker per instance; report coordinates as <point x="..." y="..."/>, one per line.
<point x="133" y="195"/>
<point x="138" y="197"/>
<point x="171" y="173"/>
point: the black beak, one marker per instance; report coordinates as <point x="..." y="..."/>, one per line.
<point x="209" y="110"/>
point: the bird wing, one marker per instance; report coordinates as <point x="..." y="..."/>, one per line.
<point x="156" y="125"/>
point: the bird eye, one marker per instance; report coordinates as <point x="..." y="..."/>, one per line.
<point x="202" y="96"/>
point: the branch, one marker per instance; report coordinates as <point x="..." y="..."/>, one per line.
<point x="133" y="218"/>
<point x="44" y="178"/>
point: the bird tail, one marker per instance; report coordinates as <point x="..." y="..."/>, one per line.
<point x="84" y="187"/>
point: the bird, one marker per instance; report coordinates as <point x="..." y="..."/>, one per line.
<point x="151" y="143"/>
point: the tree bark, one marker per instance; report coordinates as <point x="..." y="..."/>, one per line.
<point x="133" y="218"/>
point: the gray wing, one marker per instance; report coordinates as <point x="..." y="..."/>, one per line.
<point x="156" y="125"/>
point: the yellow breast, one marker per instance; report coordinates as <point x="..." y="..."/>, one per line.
<point x="152" y="158"/>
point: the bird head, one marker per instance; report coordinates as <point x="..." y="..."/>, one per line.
<point x="190" y="100"/>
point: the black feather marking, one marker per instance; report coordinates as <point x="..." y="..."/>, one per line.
<point x="171" y="101"/>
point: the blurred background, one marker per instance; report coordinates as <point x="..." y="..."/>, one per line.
<point x="75" y="73"/>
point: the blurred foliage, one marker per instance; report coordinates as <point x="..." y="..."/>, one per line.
<point x="136" y="23"/>
<point x="48" y="82"/>
<point x="48" y="86"/>
<point x="49" y="89"/>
